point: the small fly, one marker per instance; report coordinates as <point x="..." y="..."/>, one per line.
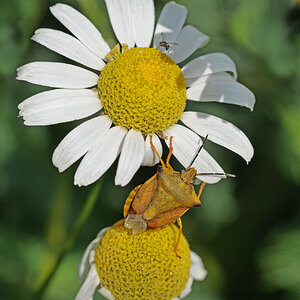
<point x="165" y="44"/>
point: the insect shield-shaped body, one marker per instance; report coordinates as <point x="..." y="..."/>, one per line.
<point x="162" y="199"/>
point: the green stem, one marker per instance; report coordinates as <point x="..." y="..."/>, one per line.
<point x="69" y="243"/>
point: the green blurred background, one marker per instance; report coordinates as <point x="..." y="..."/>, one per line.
<point x="248" y="229"/>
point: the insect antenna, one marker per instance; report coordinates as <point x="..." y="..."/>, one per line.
<point x="198" y="151"/>
<point x="217" y="174"/>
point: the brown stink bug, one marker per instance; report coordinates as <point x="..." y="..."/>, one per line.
<point x="164" y="198"/>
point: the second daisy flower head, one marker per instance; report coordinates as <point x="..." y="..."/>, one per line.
<point x="138" y="88"/>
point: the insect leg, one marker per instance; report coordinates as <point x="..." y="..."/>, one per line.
<point x="129" y="200"/>
<point x="154" y="149"/>
<point x="201" y="189"/>
<point x="170" y="153"/>
<point x="178" y="238"/>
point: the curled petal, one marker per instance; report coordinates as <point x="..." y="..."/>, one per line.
<point x="209" y="64"/>
<point x="220" y="87"/>
<point x="220" y="132"/>
<point x="89" y="286"/>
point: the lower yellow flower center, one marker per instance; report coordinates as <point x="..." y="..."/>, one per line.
<point x="143" y="266"/>
<point x="142" y="88"/>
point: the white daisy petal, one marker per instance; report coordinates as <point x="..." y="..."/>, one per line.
<point x="150" y="158"/>
<point x="220" y="87"/>
<point x="81" y="27"/>
<point x="187" y="289"/>
<point x="169" y="24"/>
<point x="84" y="265"/>
<point x="143" y="16"/>
<point x="89" y="286"/>
<point x="96" y="162"/>
<point x="220" y="132"/>
<point x="59" y="106"/>
<point x="209" y="64"/>
<point x="57" y="75"/>
<point x="121" y="20"/>
<point x="131" y="157"/>
<point x="197" y="270"/>
<point x="187" y="42"/>
<point x="185" y="144"/>
<point x="79" y="141"/>
<point x="106" y="293"/>
<point x="68" y="46"/>
<point x="102" y="232"/>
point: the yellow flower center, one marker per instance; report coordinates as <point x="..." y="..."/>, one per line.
<point x="142" y="88"/>
<point x="144" y="265"/>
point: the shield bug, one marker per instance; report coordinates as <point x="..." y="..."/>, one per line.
<point x="164" y="198"/>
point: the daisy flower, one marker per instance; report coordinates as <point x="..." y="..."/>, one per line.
<point x="136" y="91"/>
<point x="122" y="265"/>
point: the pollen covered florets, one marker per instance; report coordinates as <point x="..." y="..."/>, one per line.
<point x="143" y="266"/>
<point x="143" y="89"/>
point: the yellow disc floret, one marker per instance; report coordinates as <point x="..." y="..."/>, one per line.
<point x="144" y="265"/>
<point x="144" y="89"/>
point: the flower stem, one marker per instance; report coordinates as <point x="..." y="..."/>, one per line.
<point x="69" y="243"/>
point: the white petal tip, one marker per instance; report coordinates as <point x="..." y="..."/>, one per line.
<point x="55" y="9"/>
<point x="210" y="179"/>
<point x="179" y="5"/>
<point x="60" y="170"/>
<point x="117" y="182"/>
<point x="56" y="6"/>
<point x="204" y="39"/>
<point x="57" y="164"/>
<point x="252" y="101"/>
<point x="207" y="39"/>
<point x="77" y="183"/>
<point x="27" y="123"/>
<point x="200" y="275"/>
<point x="121" y="182"/>
<point x="82" y="182"/>
<point x="250" y="154"/>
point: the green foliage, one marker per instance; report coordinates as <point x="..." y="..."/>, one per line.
<point x="280" y="261"/>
